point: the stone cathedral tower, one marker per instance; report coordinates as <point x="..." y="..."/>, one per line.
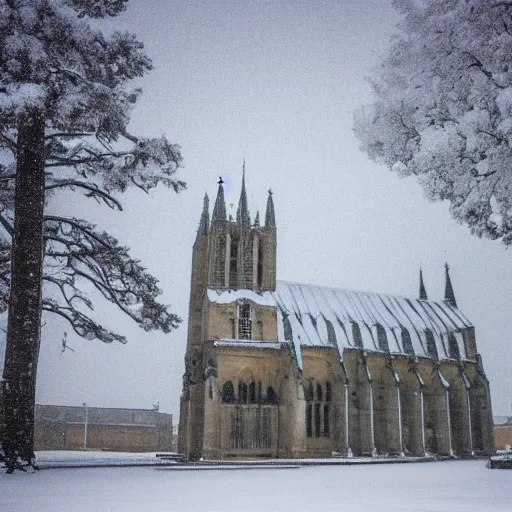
<point x="280" y="369"/>
<point x="227" y="255"/>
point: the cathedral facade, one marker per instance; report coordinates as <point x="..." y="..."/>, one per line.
<point x="280" y="369"/>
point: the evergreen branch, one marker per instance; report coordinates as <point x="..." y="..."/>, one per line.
<point x="76" y="225"/>
<point x="94" y="191"/>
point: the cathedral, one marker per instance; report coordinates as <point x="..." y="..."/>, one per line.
<point x="282" y="369"/>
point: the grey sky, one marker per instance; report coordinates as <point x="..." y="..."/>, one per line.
<point x="274" y="83"/>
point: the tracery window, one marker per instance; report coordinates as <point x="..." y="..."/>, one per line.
<point x="243" y="392"/>
<point x="249" y="392"/>
<point x="317" y="409"/>
<point x="244" y="321"/>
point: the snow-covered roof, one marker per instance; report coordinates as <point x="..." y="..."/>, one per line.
<point x="324" y="316"/>
<point x="320" y="316"/>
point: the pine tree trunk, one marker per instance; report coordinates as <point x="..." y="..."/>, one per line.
<point x="24" y="321"/>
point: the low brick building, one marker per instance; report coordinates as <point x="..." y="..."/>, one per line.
<point x="502" y="431"/>
<point x="130" y="430"/>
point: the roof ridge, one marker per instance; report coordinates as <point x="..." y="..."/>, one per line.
<point x="367" y="292"/>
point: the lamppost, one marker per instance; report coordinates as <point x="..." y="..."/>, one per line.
<point x="85" y="427"/>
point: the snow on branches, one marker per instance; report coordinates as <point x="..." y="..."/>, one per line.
<point x="76" y="253"/>
<point x="80" y="79"/>
<point x="443" y="108"/>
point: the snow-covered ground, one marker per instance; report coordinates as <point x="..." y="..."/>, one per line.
<point x="434" y="487"/>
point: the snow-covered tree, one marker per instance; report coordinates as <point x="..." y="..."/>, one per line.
<point x="443" y="108"/>
<point x="65" y="103"/>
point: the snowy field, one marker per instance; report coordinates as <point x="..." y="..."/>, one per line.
<point x="424" y="487"/>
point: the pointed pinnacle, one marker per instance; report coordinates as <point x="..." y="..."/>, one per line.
<point x="270" y="216"/>
<point x="242" y="215"/>
<point x="449" y="295"/>
<point x="219" y="210"/>
<point x="423" y="291"/>
<point x="205" y="217"/>
<point x="257" y="220"/>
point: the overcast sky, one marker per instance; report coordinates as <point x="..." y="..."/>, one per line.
<point x="275" y="83"/>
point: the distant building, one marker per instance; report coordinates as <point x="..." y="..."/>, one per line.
<point x="292" y="370"/>
<point x="131" y="430"/>
<point x="502" y="431"/>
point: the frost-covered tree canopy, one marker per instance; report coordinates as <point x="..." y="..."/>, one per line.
<point x="53" y="62"/>
<point x="443" y="108"/>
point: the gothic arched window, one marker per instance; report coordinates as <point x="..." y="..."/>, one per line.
<point x="228" y="393"/>
<point x="259" y="276"/>
<point x="331" y="334"/>
<point x="288" y="335"/>
<point x="326" y="421"/>
<point x="319" y="392"/>
<point x="406" y="342"/>
<point x="233" y="264"/>
<point x="356" y="335"/>
<point x="220" y="260"/>
<point x="243" y="392"/>
<point x="317" y="420"/>
<point x="382" y="338"/>
<point x="271" y="395"/>
<point x="309" y="419"/>
<point x="431" y="344"/>
<point x="317" y="409"/>
<point x="453" y="347"/>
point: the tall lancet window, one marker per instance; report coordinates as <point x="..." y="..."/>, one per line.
<point x="382" y="338"/>
<point x="244" y="321"/>
<point x="233" y="264"/>
<point x="260" y="266"/>
<point x="220" y="262"/>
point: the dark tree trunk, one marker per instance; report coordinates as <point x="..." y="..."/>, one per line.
<point x="24" y="322"/>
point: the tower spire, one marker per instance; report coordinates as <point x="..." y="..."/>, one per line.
<point x="242" y="215"/>
<point x="205" y="217"/>
<point x="423" y="291"/>
<point x="219" y="210"/>
<point x="449" y="296"/>
<point x="270" y="216"/>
